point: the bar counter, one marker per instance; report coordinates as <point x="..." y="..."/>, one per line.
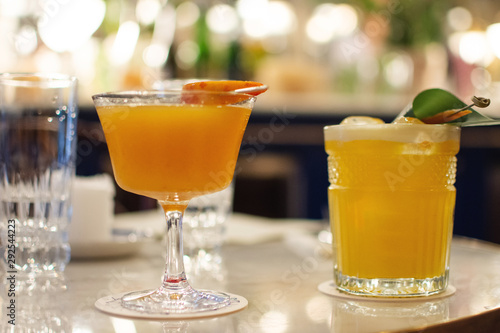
<point x="277" y="266"/>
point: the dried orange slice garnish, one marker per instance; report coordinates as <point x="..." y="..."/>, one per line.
<point x="446" y="116"/>
<point x="228" y="85"/>
<point x="222" y="87"/>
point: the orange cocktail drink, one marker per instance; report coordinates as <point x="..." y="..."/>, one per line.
<point x="392" y="200"/>
<point x="182" y="149"/>
<point x="173" y="146"/>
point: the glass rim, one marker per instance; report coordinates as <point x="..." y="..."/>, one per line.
<point x="45" y="80"/>
<point x="389" y="125"/>
<point x="158" y="95"/>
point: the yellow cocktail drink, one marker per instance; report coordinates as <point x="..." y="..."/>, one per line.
<point x="173" y="151"/>
<point x="392" y="200"/>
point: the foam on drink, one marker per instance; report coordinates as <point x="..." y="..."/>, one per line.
<point x="376" y="129"/>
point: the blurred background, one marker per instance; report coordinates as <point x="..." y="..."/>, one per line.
<point x="323" y="60"/>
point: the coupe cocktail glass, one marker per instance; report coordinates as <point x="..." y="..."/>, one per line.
<point x="173" y="146"/>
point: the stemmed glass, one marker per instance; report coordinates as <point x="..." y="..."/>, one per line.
<point x="173" y="146"/>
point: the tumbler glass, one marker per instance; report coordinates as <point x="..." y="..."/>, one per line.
<point x="37" y="164"/>
<point x="392" y="201"/>
<point x="204" y="231"/>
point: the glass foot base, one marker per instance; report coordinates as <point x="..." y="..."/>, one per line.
<point x="185" y="301"/>
<point x="382" y="287"/>
<point x="112" y="305"/>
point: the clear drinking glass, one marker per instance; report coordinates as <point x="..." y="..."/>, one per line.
<point x="204" y="231"/>
<point x="174" y="146"/>
<point x="392" y="200"/>
<point x="37" y="164"/>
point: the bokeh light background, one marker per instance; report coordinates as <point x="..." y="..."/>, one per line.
<point x="368" y="47"/>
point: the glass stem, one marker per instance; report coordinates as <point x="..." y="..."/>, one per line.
<point x="175" y="277"/>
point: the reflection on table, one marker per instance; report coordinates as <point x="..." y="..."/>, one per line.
<point x="277" y="266"/>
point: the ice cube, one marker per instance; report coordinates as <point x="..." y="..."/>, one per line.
<point x="407" y="120"/>
<point x="361" y="120"/>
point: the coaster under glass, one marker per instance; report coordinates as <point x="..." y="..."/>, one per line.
<point x="112" y="305"/>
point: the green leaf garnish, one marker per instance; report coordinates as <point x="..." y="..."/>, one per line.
<point x="440" y="106"/>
